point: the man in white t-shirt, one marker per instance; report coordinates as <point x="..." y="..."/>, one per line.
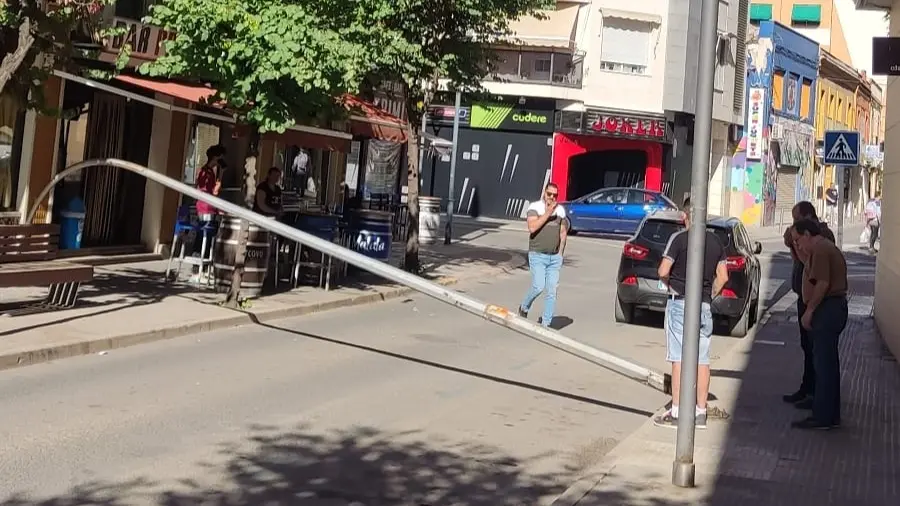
<point x="873" y="220"/>
<point x="547" y="229"/>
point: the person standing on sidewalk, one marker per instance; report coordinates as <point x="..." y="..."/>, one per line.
<point x="803" y="211"/>
<point x="825" y="293"/>
<point x="831" y="202"/>
<point x="873" y="220"/>
<point x="548" y="226"/>
<point x="673" y="271"/>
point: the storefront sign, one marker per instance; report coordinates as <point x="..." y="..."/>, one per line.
<point x="755" y="123"/>
<point x="508" y="117"/>
<point x="443" y="115"/>
<point x="627" y="126"/>
<point x="146" y="41"/>
<point x="886" y="56"/>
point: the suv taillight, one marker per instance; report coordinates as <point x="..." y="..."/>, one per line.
<point x="735" y="263"/>
<point x="634" y="251"/>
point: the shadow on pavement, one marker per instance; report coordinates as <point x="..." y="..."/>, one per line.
<point x="474" y="374"/>
<point x="362" y="466"/>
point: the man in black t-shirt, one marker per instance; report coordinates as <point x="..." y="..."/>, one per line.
<point x="268" y="195"/>
<point x="673" y="271"/>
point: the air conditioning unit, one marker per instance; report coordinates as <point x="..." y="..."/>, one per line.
<point x="777" y="132"/>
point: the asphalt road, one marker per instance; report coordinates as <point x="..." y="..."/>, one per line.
<point x="403" y="403"/>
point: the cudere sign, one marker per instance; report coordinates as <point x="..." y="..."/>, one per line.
<point x="530" y="118"/>
<point x="635" y="127"/>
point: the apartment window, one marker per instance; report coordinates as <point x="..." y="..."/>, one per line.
<point x="625" y="46"/>
<point x="760" y="12"/>
<point x="806" y="15"/>
<point x="805" y="90"/>
<point x="778" y="91"/>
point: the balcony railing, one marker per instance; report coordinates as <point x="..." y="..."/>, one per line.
<point x="531" y="67"/>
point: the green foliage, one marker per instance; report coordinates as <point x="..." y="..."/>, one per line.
<point x="56" y="32"/>
<point x="420" y="39"/>
<point x="274" y="62"/>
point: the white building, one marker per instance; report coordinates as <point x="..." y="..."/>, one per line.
<point x="609" y="86"/>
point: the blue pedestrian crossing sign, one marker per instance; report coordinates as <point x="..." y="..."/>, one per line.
<point x="841" y="147"/>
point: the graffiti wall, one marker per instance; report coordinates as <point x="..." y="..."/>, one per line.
<point x="748" y="179"/>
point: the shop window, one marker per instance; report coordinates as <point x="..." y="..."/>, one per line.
<point x="12" y="123"/>
<point x="204" y="136"/>
<point x="808" y="15"/>
<point x="805" y="90"/>
<point x="760" y="12"/>
<point x="778" y="91"/>
<point x="625" y="46"/>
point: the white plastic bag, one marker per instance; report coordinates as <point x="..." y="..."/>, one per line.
<point x="864" y="236"/>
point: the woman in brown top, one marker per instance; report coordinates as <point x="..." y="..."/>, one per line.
<point x="825" y="294"/>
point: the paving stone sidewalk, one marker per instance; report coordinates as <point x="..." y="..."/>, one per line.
<point x="754" y="457"/>
<point x="129" y="304"/>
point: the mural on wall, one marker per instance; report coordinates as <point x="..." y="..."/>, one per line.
<point x="748" y="173"/>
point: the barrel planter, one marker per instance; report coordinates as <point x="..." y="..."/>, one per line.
<point x="429" y="220"/>
<point x="256" y="261"/>
<point x="370" y="233"/>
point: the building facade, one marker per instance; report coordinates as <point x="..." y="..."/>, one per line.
<point x="887" y="273"/>
<point x="814" y="19"/>
<point x="773" y="167"/>
<point x="612" y="72"/>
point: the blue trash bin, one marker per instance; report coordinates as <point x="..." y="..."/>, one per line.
<point x="71" y="225"/>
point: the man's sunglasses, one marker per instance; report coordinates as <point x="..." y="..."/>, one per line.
<point x="552" y="195"/>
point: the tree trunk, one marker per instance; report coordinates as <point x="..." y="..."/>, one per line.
<point x="12" y="61"/>
<point x="233" y="299"/>
<point x="411" y="258"/>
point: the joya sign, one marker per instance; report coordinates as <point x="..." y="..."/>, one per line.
<point x="631" y="127"/>
<point x="756" y="123"/>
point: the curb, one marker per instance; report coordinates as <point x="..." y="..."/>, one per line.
<point x="51" y="353"/>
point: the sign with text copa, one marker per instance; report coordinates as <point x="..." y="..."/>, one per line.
<point x="509" y="117"/>
<point x="886" y="56"/>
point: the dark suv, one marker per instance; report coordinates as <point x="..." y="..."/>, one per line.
<point x="638" y="284"/>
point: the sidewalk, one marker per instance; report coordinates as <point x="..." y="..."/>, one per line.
<point x="129" y="304"/>
<point x="754" y="457"/>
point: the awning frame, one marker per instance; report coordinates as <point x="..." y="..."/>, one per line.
<point x="174" y="108"/>
<point x="645" y="17"/>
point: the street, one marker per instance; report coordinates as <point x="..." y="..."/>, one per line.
<point x="405" y="402"/>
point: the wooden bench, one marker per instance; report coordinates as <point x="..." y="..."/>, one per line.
<point x="28" y="258"/>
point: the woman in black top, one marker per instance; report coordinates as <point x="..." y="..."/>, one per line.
<point x="268" y="195"/>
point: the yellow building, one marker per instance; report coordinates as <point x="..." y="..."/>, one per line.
<point x="816" y="19"/>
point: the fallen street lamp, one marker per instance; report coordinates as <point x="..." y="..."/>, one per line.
<point x="490" y="312"/>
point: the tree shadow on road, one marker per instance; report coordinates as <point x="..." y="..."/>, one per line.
<point x="362" y="466"/>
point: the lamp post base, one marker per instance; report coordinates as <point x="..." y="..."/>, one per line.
<point x="683" y="474"/>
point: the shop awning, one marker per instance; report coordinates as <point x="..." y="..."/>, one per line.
<point x="369" y="120"/>
<point x="301" y="135"/>
<point x="556" y="31"/>
<point x="645" y="17"/>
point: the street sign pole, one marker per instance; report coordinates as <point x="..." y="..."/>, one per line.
<point x="683" y="466"/>
<point x="841" y="150"/>
<point x="448" y="230"/>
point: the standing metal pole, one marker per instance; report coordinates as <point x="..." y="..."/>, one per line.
<point x="422" y="151"/>
<point x="448" y="230"/>
<point x="840" y="205"/>
<point x="683" y="467"/>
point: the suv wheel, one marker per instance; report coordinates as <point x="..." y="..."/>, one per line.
<point x="624" y="312"/>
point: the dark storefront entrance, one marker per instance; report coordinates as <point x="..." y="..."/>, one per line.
<point x="503" y="157"/>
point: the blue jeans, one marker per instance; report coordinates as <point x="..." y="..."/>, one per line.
<point x="544" y="278"/>
<point x="828" y="321"/>
<point x="674" y="325"/>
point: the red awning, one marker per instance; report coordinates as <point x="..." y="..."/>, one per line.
<point x="369" y="120"/>
<point x="192" y="93"/>
<point x="302" y="139"/>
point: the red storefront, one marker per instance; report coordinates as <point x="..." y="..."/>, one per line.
<point x="600" y="149"/>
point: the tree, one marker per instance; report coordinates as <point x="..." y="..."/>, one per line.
<point x="273" y="63"/>
<point x="423" y="42"/>
<point x="57" y="30"/>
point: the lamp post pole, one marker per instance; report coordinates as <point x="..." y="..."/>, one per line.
<point x="683" y="467"/>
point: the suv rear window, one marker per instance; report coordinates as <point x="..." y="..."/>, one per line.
<point x="659" y="231"/>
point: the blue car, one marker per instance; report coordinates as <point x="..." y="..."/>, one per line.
<point x="614" y="210"/>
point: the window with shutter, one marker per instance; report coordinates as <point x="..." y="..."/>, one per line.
<point x="740" y="66"/>
<point x="625" y="46"/>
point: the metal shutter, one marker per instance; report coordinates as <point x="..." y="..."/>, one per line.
<point x="786" y="187"/>
<point x="740" y="65"/>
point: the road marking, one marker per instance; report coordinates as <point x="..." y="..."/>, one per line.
<point x="772" y="343"/>
<point x="787" y="301"/>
